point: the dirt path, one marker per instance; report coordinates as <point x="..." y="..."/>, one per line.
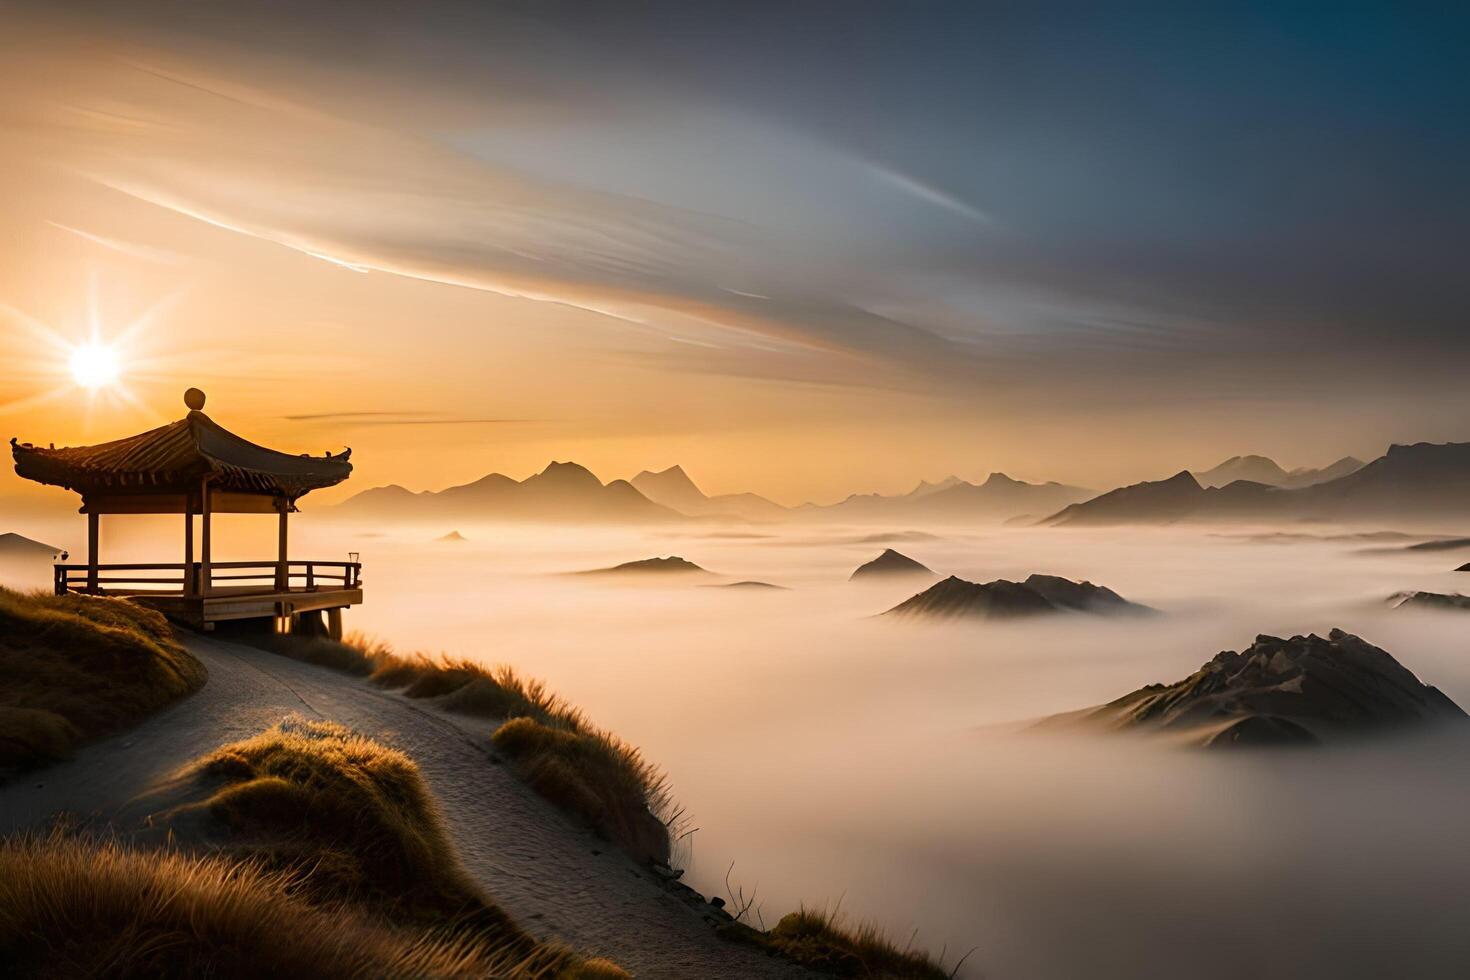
<point x="557" y="879"/>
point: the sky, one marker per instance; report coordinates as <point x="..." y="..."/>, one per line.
<point x="804" y="249"/>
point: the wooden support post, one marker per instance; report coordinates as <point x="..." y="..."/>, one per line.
<point x="188" y="586"/>
<point x="283" y="568"/>
<point x="94" y="522"/>
<point x="205" y="549"/>
<point x="334" y="623"/>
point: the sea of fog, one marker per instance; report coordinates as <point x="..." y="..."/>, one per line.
<point x="831" y="756"/>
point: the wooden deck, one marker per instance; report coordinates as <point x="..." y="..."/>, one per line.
<point x="200" y="596"/>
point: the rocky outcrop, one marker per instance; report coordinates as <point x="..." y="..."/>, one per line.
<point x="956" y="598"/>
<point x="1082" y="596"/>
<point x="653" y="567"/>
<point x="1282" y="692"/>
<point x="751" y="586"/>
<point x="1430" y="600"/>
<point x="890" y="564"/>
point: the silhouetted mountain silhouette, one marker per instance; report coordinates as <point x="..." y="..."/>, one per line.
<point x="1256" y="469"/>
<point x="561" y="492"/>
<point x="1306" y="477"/>
<point x="673" y="488"/>
<point x="13" y="545"/>
<point x="672" y="565"/>
<point x="1430" y="600"/>
<point x="889" y="564"/>
<point x="1406" y="483"/>
<point x="997" y="499"/>
<point x="1281" y="692"/>
<point x="751" y="585"/>
<point x="1038" y="595"/>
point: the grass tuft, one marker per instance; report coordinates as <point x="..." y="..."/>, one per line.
<point x="818" y="940"/>
<point x="317" y="795"/>
<point x="78" y="667"/>
<point x="76" y="908"/>
<point x="587" y="771"/>
<point x="352" y="821"/>
<point x="592" y="774"/>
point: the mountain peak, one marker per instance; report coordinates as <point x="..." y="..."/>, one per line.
<point x="566" y="474"/>
<point x="925" y="487"/>
<point x="12" y="545"/>
<point x="890" y="563"/>
<point x="1285" y="691"/>
<point x="672" y="488"/>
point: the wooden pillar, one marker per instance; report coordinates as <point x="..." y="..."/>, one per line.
<point x="188" y="586"/>
<point x="94" y="521"/>
<point x="204" y="543"/>
<point x="283" y="568"/>
<point x="334" y="623"/>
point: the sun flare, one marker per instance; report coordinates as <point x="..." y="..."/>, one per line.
<point x="95" y="365"/>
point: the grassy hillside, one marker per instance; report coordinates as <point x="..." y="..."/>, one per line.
<point x="586" y="771"/>
<point x="600" y="778"/>
<point x="79" y="667"/>
<point x="355" y="822"/>
<point x="819" y="941"/>
<point x="73" y="908"/>
<point x="318" y="797"/>
<point x="307" y="850"/>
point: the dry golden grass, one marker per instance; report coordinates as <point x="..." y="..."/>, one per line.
<point x="819" y="941"/>
<point x="78" y="667"/>
<point x="311" y="794"/>
<point x="75" y="908"/>
<point x="352" y="821"/>
<point x="587" y="771"/>
<point x="600" y="778"/>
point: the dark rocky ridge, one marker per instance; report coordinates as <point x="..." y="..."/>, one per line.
<point x="890" y="563"/>
<point x="672" y="565"/>
<point x="1415" y="482"/>
<point x="750" y="584"/>
<point x="1282" y="692"/>
<point x="1430" y="600"/>
<point x="1002" y="599"/>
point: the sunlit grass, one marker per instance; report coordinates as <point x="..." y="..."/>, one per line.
<point x="585" y="770"/>
<point x="72" y="907"/>
<point x="353" y="821"/>
<point x="78" y="667"/>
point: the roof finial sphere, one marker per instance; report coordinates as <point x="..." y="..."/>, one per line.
<point x="194" y="398"/>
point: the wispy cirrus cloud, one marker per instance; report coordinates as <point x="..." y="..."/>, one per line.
<point x="368" y="419"/>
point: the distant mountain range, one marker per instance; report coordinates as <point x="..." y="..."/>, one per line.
<point x="953" y="500"/>
<point x="673" y="489"/>
<point x="563" y="492"/>
<point x="1407" y="483"/>
<point x="1422" y="481"/>
<point x="1262" y="469"/>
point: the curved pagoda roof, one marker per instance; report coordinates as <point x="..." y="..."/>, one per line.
<point x="174" y="458"/>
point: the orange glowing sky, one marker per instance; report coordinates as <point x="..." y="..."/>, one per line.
<point x="468" y="261"/>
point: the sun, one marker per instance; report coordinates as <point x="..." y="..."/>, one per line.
<point x="95" y="365"/>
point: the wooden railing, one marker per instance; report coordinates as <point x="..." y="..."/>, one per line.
<point x="177" y="578"/>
